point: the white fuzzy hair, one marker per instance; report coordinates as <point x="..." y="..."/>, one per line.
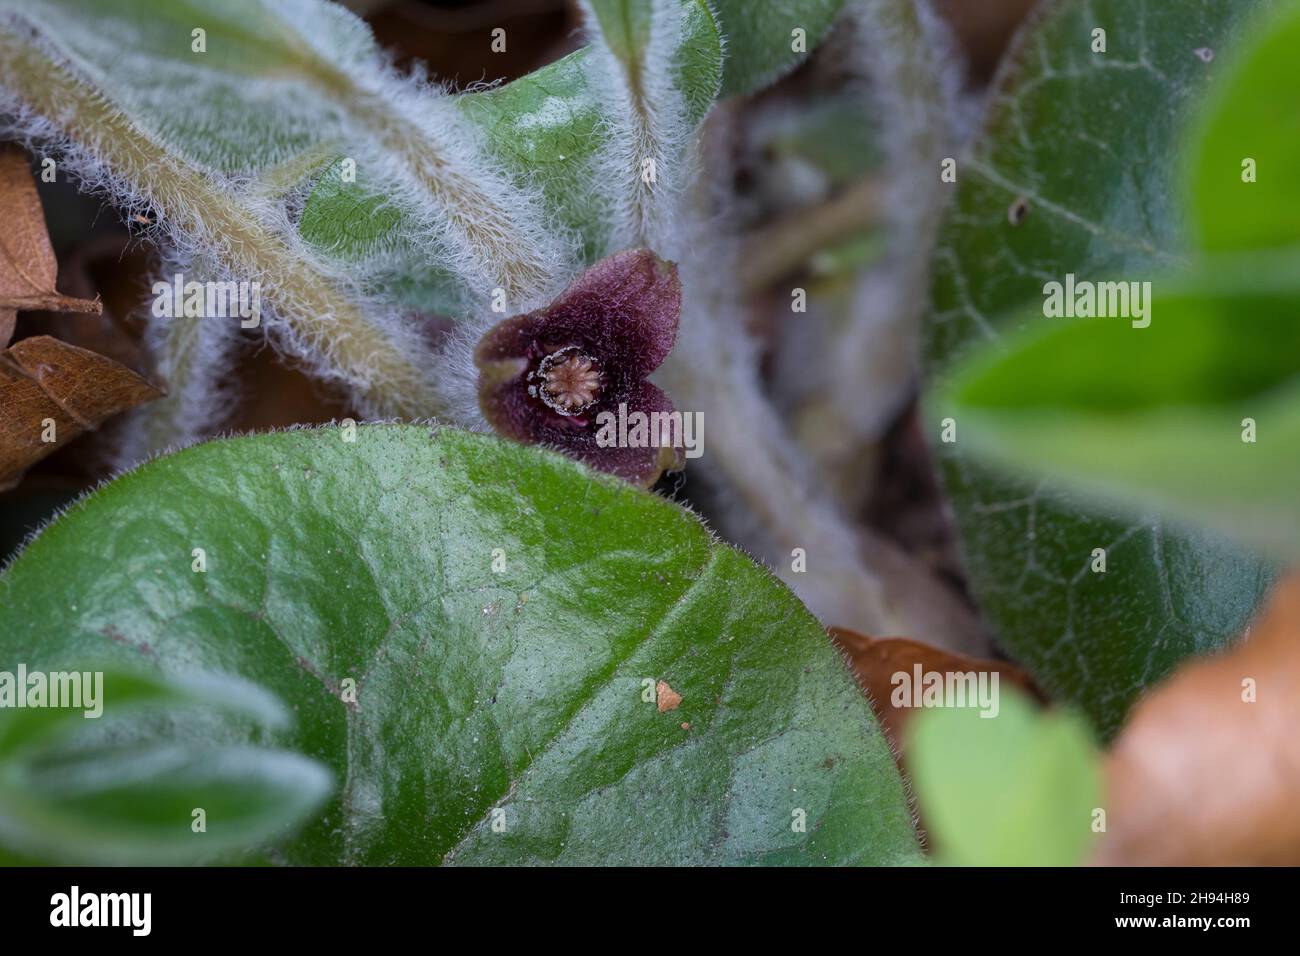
<point x="461" y="212"/>
<point x="910" y="80"/>
<point x="646" y="121"/>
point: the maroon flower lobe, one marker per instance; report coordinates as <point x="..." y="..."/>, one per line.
<point x="546" y="377"/>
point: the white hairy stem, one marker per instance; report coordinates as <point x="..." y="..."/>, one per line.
<point x="314" y="308"/>
<point x="770" y="501"/>
<point x="770" y="504"/>
<point x="472" y="219"/>
<point x="195" y="357"/>
<point x="649" y="151"/>
<point x="907" y="64"/>
<point x="460" y="207"/>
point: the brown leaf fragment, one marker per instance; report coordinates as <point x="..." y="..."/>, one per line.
<point x="877" y="659"/>
<point x="668" y="698"/>
<point x="28" y="268"/>
<point x="116" y="269"/>
<point x="1207" y="770"/>
<point x="49" y="389"/>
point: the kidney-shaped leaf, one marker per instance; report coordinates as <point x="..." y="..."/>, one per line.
<point x="1197" y="415"/>
<point x="1092" y="192"/>
<point x="487" y="646"/>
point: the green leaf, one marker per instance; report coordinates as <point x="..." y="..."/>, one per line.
<point x="1097" y="183"/>
<point x="114" y="790"/>
<point x="1252" y="115"/>
<point x="501" y="613"/>
<point x="1155" y="418"/>
<point x="210" y="130"/>
<point x="832" y="134"/>
<point x="128" y="690"/>
<point x="760" y="40"/>
<point x="696" y="66"/>
<point x="1018" y="789"/>
<point x="243" y="104"/>
<point x="547" y="129"/>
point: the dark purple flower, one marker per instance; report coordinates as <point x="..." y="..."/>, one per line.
<point x="546" y="377"/>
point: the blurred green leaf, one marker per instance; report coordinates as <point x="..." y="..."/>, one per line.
<point x="844" y="261"/>
<point x="1097" y="186"/>
<point x="131" y="690"/>
<point x="1018" y="789"/>
<point x="834" y="134"/>
<point x="1252" y="114"/>
<point x="115" y="789"/>
<point x="1155" y="417"/>
<point x="760" y="38"/>
<point x="467" y="630"/>
<point x="1160" y="419"/>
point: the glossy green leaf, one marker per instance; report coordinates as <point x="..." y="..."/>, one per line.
<point x="1245" y="169"/>
<point x="1094" y="189"/>
<point x="1199" y="414"/>
<point x="504" y="619"/>
<point x="102" y="783"/>
<point x="1017" y="789"/>
<point x="761" y="42"/>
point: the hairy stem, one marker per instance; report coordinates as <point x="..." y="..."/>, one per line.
<point x="491" y="232"/>
<point x="774" y="502"/>
<point x="323" y="318"/>
<point x="634" y="47"/>
<point x="495" y="235"/>
<point x="903" y="50"/>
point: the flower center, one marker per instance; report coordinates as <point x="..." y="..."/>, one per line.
<point x="568" y="381"/>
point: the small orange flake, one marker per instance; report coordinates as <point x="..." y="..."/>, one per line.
<point x="668" y="698"/>
<point x="686" y="726"/>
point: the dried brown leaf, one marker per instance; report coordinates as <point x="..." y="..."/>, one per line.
<point x="49" y="388"/>
<point x="28" y="269"/>
<point x="1205" y="775"/>
<point x="877" y="660"/>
